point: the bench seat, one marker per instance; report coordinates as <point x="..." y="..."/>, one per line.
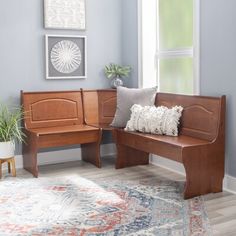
<point x="63" y="129"/>
<point x="179" y="141"/>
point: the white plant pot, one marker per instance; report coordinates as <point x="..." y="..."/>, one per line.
<point x="7" y="149"/>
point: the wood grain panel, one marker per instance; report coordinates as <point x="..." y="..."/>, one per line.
<point x="65" y="139"/>
<point x="200" y="115"/>
<point x="52" y="108"/>
<point x="62" y="129"/>
<point x="90" y="106"/>
<point x="107" y="106"/>
<point x="99" y="107"/>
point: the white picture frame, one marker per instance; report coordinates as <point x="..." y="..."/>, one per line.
<point x="65" y="14"/>
<point x="66" y="56"/>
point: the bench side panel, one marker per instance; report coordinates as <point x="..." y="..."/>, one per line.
<point x="50" y="109"/>
<point x="99" y="106"/>
<point x="107" y="106"/>
<point x="90" y="105"/>
<point x="201" y="115"/>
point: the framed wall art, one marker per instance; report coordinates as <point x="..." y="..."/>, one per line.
<point x="64" y="14"/>
<point x="66" y="57"/>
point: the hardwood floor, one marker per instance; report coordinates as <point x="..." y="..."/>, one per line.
<point x="221" y="207"/>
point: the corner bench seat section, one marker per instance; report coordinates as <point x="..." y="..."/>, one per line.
<point x="161" y="145"/>
<point x="99" y="107"/>
<point x="56" y="119"/>
<point x="102" y="126"/>
<point x="200" y="146"/>
<point x="62" y="136"/>
<point x="63" y="129"/>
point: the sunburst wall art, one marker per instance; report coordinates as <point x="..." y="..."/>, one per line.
<point x="65" y="57"/>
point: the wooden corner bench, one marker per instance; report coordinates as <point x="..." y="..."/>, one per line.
<point x="200" y="147"/>
<point x="54" y="119"/>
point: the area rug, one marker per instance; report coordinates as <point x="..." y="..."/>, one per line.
<point x="77" y="206"/>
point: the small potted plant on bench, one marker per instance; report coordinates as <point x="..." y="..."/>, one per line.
<point x="10" y="130"/>
<point x="116" y="73"/>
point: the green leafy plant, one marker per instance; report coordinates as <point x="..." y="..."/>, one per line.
<point x="10" y="128"/>
<point x="113" y="70"/>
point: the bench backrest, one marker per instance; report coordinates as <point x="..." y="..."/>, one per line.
<point x="99" y="106"/>
<point x="54" y="108"/>
<point x="203" y="117"/>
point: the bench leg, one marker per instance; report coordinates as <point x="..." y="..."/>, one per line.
<point x="202" y="177"/>
<point x="127" y="156"/>
<point x="9" y="167"/>
<point x="12" y="167"/>
<point x="30" y="155"/>
<point x="91" y="153"/>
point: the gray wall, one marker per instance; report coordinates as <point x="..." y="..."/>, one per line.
<point x="130" y="39"/>
<point x="22" y="53"/>
<point x="217" y="59"/>
<point x="218" y="64"/>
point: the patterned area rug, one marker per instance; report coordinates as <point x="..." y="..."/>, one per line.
<point x="78" y="206"/>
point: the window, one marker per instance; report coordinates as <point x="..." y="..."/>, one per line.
<point x="169" y="49"/>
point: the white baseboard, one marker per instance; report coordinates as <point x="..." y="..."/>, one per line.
<point x="54" y="157"/>
<point x="167" y="164"/>
<point x="229" y="183"/>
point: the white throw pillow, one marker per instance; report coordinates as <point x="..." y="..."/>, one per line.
<point x="154" y="120"/>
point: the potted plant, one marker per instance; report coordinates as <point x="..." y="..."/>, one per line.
<point x="10" y="130"/>
<point x="116" y="73"/>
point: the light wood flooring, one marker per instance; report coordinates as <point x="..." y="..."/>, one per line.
<point x="221" y="207"/>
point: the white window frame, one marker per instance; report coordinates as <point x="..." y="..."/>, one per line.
<point x="193" y="52"/>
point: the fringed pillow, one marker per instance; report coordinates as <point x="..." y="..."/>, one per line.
<point x="155" y="120"/>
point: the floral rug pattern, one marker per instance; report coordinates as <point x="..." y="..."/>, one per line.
<point x="76" y="206"/>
